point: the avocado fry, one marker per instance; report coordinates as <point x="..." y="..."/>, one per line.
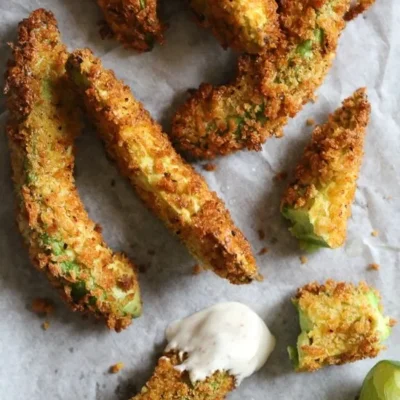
<point x="340" y="323"/>
<point x="318" y="201"/>
<point x="244" y="25"/>
<point x="43" y="123"/>
<point x="167" y="185"/>
<point x="135" y="23"/>
<point x="169" y="383"/>
<point x="269" y="88"/>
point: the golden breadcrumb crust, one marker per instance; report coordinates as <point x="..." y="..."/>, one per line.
<point x="168" y="186"/>
<point x="269" y="88"/>
<point x="63" y="242"/>
<point x="343" y="324"/>
<point x="134" y="23"/>
<point x="244" y="25"/>
<point x="169" y="384"/>
<point x="329" y="170"/>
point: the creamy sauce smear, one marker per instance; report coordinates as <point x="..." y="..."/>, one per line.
<point x="225" y="337"/>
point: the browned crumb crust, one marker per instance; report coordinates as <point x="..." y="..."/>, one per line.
<point x="168" y="186"/>
<point x="346" y="330"/>
<point x="344" y="131"/>
<point x="43" y="123"/>
<point x="169" y="384"/>
<point x="358" y="8"/>
<point x="244" y="25"/>
<point x="332" y="162"/>
<point x="135" y="23"/>
<point x="269" y="88"/>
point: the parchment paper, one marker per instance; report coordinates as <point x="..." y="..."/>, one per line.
<point x="70" y="360"/>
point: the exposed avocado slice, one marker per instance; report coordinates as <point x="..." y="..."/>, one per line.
<point x="134" y="307"/>
<point x="382" y="325"/>
<point x="303" y="229"/>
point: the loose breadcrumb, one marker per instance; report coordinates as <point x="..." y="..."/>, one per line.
<point x="209" y="167"/>
<point x="42" y="306"/>
<point x="197" y="269"/>
<point x="375" y="233"/>
<point x="280" y="176"/>
<point x="374" y="266"/>
<point x="261" y="234"/>
<point x="310" y="122"/>
<point x="45" y="325"/>
<point x="263" y="251"/>
<point x="114" y="369"/>
<point x="303" y="259"/>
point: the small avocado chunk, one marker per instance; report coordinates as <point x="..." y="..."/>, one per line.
<point x="303" y="229"/>
<point x="382" y="382"/>
<point x="335" y="320"/>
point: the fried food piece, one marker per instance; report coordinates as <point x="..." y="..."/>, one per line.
<point x="170" y="384"/>
<point x="244" y="25"/>
<point x="268" y="89"/>
<point x="135" y="23"/>
<point x="63" y="242"/>
<point x="318" y="201"/>
<point x="167" y="185"/>
<point x="340" y="323"/>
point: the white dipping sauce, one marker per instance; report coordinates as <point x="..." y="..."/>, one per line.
<point x="225" y="337"/>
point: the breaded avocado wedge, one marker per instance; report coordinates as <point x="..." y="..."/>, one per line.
<point x="167" y="382"/>
<point x="318" y="201"/>
<point x="340" y="323"/>
<point x="169" y="186"/>
<point x="64" y="243"/>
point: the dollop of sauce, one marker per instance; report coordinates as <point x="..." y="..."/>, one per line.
<point x="225" y="337"/>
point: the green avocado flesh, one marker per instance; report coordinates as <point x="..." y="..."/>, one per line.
<point x="382" y="382"/>
<point x="306" y="325"/>
<point x="303" y="229"/>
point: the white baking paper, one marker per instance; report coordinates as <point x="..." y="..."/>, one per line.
<point x="70" y="360"/>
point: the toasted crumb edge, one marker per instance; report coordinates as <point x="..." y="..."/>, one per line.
<point x="114" y="369"/>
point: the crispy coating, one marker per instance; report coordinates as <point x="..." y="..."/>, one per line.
<point x="326" y="177"/>
<point x="244" y="25"/>
<point x="167" y="185"/>
<point x="170" y="384"/>
<point x="63" y="242"/>
<point x="134" y="23"/>
<point x="342" y="324"/>
<point x="358" y="8"/>
<point x="268" y="89"/>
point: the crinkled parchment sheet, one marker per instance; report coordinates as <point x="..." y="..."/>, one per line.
<point x="71" y="359"/>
